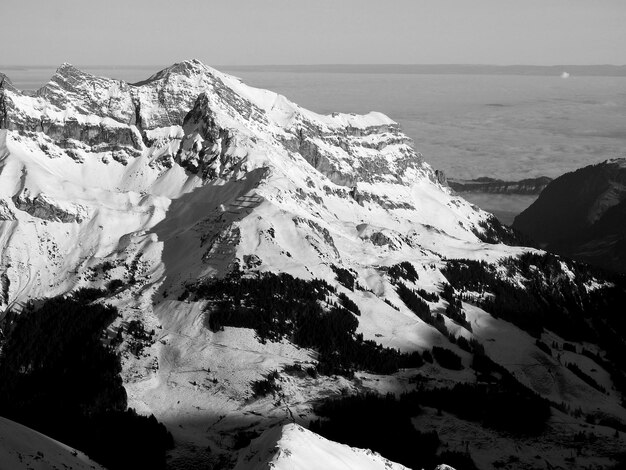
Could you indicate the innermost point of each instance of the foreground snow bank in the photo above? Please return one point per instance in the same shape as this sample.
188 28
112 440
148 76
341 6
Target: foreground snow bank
22 448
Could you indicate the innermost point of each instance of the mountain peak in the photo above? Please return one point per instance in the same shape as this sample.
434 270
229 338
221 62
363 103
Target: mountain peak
65 66
187 68
68 71
190 66
5 83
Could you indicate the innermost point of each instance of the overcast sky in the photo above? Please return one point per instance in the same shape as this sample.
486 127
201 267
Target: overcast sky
251 32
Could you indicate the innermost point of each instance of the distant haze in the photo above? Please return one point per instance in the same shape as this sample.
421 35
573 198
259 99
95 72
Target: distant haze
253 32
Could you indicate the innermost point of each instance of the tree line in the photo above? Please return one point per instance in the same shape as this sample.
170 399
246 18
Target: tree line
279 306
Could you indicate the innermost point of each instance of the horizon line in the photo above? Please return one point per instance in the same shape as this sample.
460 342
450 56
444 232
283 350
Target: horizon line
328 64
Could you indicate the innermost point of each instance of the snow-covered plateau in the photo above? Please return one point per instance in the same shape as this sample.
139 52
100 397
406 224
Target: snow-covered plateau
191 178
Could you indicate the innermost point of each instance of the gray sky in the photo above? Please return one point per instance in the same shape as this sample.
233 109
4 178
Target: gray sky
239 32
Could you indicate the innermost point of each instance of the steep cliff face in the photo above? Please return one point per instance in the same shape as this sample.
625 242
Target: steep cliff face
582 214
5 84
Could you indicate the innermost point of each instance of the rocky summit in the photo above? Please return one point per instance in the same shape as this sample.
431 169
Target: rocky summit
269 265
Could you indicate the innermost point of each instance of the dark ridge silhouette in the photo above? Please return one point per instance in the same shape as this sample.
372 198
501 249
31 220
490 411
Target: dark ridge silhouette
582 215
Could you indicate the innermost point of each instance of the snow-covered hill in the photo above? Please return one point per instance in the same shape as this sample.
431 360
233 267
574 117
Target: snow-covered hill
294 448
22 448
190 176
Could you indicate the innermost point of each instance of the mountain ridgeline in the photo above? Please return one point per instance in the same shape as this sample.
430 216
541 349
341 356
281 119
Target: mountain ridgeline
257 264
582 215
528 186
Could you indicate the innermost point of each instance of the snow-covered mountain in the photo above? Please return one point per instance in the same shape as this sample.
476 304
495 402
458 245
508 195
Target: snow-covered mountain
92 165
161 190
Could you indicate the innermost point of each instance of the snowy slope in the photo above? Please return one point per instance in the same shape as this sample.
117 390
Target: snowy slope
294 448
23 448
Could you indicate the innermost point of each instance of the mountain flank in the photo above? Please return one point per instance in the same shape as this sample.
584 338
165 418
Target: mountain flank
582 214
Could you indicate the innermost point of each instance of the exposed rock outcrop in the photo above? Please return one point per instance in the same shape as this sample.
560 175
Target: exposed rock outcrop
45 208
206 148
441 177
5 211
